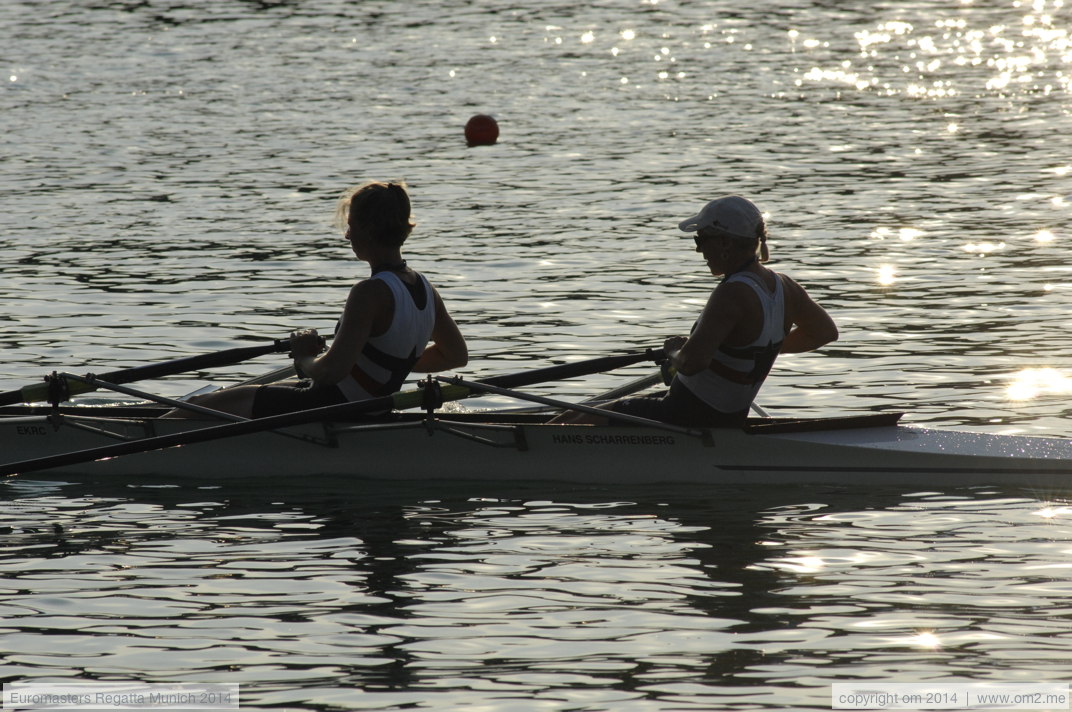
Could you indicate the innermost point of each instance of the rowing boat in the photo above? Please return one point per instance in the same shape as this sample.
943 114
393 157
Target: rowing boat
518 445
134 443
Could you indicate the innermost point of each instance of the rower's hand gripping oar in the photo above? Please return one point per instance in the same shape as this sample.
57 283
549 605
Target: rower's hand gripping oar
397 401
47 389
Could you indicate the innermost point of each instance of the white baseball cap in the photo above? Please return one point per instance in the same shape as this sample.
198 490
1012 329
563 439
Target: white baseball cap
732 214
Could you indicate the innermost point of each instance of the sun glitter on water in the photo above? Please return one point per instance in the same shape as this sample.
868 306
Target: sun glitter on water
1031 383
926 639
887 275
1052 511
951 57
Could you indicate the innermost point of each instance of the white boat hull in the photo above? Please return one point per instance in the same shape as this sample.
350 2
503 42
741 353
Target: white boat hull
529 450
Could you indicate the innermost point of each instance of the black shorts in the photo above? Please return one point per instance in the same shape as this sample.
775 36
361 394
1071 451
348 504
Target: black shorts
276 398
679 406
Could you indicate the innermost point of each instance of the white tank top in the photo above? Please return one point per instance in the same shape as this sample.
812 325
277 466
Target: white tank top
386 360
736 373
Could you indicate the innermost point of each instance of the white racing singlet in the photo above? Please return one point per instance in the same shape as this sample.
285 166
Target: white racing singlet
386 361
731 382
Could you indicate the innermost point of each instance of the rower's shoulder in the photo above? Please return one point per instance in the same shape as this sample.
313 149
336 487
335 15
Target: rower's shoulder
790 284
796 296
370 290
744 283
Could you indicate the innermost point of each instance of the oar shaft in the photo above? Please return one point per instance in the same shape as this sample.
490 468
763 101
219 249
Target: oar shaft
572 370
195 363
40 391
554 402
627 389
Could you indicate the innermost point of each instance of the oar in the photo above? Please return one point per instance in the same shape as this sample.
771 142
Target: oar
556 403
615 393
342 411
278 374
227 357
627 389
573 370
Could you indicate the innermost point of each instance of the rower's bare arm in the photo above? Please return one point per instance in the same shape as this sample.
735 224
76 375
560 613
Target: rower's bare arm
719 317
448 349
812 328
364 302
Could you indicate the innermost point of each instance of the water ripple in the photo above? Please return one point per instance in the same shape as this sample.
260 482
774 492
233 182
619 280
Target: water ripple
168 177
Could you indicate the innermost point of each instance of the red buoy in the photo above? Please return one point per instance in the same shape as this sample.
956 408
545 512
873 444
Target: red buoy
481 130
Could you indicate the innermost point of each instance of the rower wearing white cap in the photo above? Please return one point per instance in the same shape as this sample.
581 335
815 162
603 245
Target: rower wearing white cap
751 316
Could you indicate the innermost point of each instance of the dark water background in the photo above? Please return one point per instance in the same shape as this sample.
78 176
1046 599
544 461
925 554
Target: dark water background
167 176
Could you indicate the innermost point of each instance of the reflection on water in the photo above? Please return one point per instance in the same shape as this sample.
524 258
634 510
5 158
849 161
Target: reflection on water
168 179
585 603
1006 49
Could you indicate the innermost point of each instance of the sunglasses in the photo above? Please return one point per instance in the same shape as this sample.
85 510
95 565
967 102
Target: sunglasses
699 239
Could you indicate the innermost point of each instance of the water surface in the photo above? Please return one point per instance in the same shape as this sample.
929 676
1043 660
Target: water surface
168 175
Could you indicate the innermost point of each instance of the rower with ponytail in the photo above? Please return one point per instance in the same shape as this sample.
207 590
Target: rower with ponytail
393 323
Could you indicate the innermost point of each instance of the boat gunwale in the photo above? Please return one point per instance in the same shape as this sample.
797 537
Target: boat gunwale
769 425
